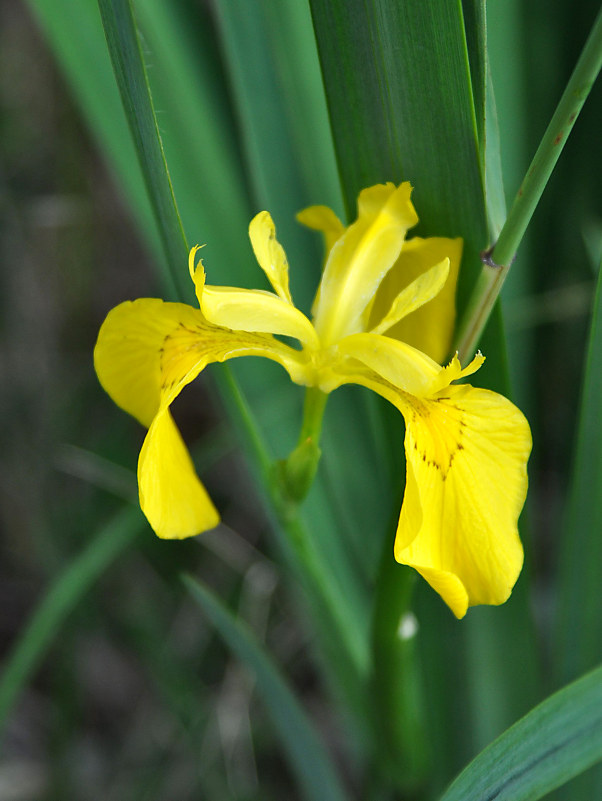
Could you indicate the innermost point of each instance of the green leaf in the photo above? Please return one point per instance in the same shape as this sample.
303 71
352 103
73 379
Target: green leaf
306 754
399 84
556 741
403 69
62 597
130 73
476 43
275 76
192 103
579 609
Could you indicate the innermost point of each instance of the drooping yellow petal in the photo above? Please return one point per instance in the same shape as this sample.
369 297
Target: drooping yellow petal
129 353
270 253
256 310
147 350
429 328
420 291
466 456
361 258
171 496
466 480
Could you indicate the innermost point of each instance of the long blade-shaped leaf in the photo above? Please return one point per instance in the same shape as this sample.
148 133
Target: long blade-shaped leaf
412 108
274 71
130 73
557 740
579 635
580 611
306 754
399 84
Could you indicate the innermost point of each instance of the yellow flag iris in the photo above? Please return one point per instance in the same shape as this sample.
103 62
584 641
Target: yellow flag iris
383 318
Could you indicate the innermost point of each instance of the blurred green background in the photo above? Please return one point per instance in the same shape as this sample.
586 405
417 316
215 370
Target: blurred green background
135 697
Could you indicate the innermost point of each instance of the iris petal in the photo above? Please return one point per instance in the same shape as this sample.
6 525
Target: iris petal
361 258
171 495
270 253
466 453
148 348
429 328
147 352
256 310
129 354
420 291
401 365
466 479
323 219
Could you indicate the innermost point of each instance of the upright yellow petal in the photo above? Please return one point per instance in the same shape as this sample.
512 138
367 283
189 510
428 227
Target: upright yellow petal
429 328
361 258
197 272
420 291
466 456
323 219
171 496
270 253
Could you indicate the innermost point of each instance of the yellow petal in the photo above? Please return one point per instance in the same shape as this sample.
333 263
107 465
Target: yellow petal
129 354
454 372
256 310
429 328
323 219
171 496
466 478
270 253
197 272
147 350
415 295
361 258
398 364
466 456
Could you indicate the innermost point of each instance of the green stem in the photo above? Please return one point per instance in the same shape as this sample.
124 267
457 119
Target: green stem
313 412
296 474
497 260
343 639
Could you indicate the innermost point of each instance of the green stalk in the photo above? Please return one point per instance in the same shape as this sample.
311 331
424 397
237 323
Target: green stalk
296 473
498 260
313 412
342 640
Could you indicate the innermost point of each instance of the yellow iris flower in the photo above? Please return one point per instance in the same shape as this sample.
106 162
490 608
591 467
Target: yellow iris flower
383 318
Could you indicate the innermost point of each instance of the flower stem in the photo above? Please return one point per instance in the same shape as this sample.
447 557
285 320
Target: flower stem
313 412
296 473
497 260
